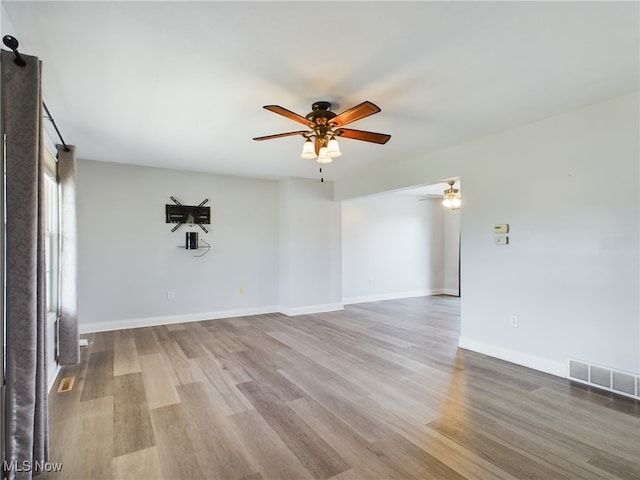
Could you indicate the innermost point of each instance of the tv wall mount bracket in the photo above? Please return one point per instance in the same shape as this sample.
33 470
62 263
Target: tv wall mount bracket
188 214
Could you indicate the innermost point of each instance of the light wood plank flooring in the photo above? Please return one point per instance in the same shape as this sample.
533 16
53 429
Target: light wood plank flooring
378 391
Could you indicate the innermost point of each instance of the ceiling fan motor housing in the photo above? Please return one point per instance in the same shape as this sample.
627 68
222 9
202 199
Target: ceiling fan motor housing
320 113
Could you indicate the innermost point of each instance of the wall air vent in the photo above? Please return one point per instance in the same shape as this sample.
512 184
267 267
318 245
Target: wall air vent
66 384
605 378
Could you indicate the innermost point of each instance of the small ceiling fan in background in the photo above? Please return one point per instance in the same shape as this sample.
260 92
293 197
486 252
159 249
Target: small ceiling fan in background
323 128
450 198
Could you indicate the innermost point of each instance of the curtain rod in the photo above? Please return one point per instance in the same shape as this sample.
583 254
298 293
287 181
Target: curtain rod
12 43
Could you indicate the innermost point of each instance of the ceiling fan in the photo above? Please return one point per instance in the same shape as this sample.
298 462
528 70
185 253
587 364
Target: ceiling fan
451 197
324 126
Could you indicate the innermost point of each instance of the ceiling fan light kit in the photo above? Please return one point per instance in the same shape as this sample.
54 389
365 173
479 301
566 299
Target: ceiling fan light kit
451 197
324 126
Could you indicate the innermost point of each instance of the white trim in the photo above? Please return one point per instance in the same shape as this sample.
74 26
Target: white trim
393 296
326 307
50 162
54 371
451 291
558 369
52 318
53 368
198 317
170 319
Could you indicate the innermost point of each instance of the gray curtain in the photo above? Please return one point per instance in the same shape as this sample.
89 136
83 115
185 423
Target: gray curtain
26 375
68 340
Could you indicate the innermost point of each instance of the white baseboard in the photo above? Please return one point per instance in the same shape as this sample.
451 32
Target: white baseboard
197 317
558 369
327 307
170 319
393 296
451 291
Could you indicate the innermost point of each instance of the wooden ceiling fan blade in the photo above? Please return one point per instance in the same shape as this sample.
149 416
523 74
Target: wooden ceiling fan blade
356 113
373 137
280 135
288 113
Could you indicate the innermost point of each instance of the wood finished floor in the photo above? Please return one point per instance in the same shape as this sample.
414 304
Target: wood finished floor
378 391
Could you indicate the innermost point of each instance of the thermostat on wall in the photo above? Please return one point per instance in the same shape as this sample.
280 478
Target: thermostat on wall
501 228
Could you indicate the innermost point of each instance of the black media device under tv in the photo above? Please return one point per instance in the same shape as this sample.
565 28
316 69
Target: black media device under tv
191 241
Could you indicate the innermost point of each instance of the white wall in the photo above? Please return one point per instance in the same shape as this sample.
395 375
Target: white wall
570 271
451 251
568 186
129 258
310 251
392 247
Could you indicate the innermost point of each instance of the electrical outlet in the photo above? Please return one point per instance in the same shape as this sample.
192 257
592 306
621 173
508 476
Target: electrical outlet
514 321
170 295
501 240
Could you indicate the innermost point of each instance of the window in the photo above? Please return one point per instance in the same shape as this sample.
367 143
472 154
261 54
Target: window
51 245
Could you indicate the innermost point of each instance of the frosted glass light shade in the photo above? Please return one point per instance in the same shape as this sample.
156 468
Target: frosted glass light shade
308 150
322 156
333 149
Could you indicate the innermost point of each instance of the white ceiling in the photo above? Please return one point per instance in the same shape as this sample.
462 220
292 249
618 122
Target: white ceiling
429 191
182 84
